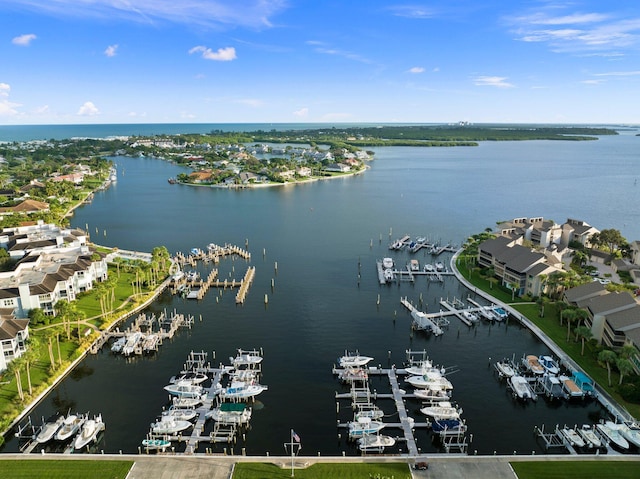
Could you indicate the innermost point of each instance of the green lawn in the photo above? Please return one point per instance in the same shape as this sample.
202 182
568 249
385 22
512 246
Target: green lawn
38 469
251 470
577 469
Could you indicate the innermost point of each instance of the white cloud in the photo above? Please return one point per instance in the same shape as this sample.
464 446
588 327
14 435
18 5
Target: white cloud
578 32
301 113
24 40
416 70
223 54
619 74
111 50
343 53
498 82
411 11
252 102
5 88
88 109
592 82
42 110
209 13
7 108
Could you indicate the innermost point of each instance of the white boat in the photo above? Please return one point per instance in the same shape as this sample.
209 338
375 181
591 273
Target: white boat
192 275
505 369
49 428
364 426
549 364
242 390
591 439
532 364
387 263
170 426
388 275
246 358
431 380
353 360
552 387
230 413
500 314
160 444
375 442
443 410
521 388
414 265
570 387
418 368
70 427
433 395
631 432
184 389
572 436
439 266
610 432
186 403
470 316
181 414
190 377
89 431
370 411
353 374
429 268
132 342
118 344
488 314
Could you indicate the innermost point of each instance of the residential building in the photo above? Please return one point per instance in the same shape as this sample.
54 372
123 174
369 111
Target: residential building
13 336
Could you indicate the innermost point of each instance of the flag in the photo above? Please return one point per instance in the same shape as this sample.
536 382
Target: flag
295 436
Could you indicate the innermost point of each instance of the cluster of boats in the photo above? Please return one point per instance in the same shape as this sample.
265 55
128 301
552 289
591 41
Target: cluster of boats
192 400
135 343
620 436
541 375
76 430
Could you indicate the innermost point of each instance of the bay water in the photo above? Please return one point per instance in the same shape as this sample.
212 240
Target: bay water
318 244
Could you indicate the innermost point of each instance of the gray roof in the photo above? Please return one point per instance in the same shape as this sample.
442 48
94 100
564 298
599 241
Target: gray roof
9 328
520 258
495 246
585 291
623 320
609 302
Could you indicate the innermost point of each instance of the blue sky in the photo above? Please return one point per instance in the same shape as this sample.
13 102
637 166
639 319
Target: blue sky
218 61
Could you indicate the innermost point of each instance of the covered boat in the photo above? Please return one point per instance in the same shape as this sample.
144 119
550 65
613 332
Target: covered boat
521 388
610 432
230 413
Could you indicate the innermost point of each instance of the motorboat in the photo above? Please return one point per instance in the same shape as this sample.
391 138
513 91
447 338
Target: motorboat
433 395
549 364
470 316
505 369
572 436
191 377
364 426
375 442
49 428
448 425
432 380
570 387
429 268
552 387
532 364
353 374
70 427
584 382
414 265
610 432
521 388
246 358
387 263
370 411
353 360
131 343
500 314
178 413
192 275
118 344
388 275
230 413
591 439
89 431
631 432
488 314
242 390
170 426
418 368
442 410
439 266
186 402
156 444
184 389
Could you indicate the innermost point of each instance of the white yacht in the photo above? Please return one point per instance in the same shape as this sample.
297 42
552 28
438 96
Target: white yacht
170 426
442 410
375 442
353 360
521 388
591 439
609 431
89 431
49 428
70 427
572 436
184 389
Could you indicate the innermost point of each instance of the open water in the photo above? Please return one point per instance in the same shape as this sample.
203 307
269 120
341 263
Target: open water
325 238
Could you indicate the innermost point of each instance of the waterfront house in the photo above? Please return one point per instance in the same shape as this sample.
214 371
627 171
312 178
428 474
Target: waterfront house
13 336
27 206
611 316
42 278
584 292
21 240
338 168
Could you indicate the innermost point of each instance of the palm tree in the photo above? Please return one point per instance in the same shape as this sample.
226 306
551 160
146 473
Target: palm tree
570 315
585 334
14 367
607 357
625 367
581 315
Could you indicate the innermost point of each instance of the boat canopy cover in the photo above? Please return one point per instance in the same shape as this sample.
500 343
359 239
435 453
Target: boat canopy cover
232 407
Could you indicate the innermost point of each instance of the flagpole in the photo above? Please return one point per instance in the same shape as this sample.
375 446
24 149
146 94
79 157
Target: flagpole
292 474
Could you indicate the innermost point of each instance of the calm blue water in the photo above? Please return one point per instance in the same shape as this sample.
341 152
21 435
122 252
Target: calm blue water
319 234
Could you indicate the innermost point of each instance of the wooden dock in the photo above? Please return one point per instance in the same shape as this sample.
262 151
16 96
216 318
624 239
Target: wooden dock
245 283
